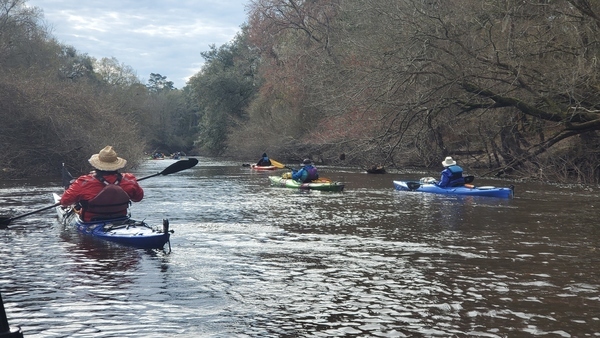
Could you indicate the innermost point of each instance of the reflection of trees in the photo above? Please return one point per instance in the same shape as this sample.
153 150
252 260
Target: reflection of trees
510 85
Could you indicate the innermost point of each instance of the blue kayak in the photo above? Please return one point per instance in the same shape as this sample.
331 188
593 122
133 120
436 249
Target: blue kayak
469 190
122 230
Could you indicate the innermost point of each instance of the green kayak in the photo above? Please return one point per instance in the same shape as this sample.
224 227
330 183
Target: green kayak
323 185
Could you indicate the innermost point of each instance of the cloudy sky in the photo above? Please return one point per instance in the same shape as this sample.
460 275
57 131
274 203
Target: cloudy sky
164 37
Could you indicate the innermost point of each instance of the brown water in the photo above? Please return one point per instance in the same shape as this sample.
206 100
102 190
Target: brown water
250 260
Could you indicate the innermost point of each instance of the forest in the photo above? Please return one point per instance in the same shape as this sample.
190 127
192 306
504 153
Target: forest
508 88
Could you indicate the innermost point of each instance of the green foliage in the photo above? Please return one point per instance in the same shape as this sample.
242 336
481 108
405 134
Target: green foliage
170 121
158 83
223 90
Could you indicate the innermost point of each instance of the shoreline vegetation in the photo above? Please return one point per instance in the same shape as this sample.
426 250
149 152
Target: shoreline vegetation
509 90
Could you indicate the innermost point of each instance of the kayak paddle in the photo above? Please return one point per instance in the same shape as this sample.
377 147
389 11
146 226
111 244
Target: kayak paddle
412 185
173 168
4 221
279 165
282 166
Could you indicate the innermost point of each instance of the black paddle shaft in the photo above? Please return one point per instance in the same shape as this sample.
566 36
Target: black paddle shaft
173 168
4 221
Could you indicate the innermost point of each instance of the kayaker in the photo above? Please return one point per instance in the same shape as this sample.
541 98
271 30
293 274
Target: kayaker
307 173
452 175
264 161
104 192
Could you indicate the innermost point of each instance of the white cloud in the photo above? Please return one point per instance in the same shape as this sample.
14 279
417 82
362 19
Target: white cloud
164 37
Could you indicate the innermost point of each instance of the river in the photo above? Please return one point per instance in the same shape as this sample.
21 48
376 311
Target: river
251 260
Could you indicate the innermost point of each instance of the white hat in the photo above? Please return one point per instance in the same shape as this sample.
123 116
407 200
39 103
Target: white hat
448 162
107 160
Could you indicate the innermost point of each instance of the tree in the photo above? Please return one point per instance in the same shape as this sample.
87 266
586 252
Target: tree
294 40
52 106
223 89
110 71
510 85
158 83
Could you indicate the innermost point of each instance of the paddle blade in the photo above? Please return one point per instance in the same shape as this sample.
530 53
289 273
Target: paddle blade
179 166
6 221
67 178
277 164
469 179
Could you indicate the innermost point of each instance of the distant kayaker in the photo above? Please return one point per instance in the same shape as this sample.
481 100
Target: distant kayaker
264 161
103 193
452 175
307 173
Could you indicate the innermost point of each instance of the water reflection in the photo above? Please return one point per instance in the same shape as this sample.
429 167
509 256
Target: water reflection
103 261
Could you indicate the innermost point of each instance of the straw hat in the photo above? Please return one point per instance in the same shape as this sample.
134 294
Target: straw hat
448 162
107 160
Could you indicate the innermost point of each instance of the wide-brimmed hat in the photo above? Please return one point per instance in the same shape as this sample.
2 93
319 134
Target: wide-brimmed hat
107 160
306 161
448 162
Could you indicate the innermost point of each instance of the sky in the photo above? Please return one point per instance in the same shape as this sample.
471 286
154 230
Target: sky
150 36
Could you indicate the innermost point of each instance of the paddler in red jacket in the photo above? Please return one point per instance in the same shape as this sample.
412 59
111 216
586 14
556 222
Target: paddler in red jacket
104 193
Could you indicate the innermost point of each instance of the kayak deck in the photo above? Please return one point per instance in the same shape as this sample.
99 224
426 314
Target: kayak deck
122 230
318 185
485 191
263 167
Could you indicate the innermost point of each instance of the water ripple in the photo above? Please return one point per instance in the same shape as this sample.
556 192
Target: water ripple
250 260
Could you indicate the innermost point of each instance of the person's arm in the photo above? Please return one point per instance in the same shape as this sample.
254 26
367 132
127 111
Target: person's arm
296 175
73 194
132 188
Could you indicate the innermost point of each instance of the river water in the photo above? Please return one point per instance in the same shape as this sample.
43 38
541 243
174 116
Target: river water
251 260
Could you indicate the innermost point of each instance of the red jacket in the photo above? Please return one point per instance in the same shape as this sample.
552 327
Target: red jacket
86 187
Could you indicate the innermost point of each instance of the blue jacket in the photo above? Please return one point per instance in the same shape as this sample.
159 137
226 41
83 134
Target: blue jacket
451 177
264 161
306 174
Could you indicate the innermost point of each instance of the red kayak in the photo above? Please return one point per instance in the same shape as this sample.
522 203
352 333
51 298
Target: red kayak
263 167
